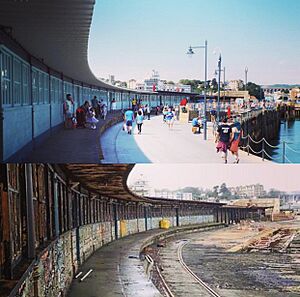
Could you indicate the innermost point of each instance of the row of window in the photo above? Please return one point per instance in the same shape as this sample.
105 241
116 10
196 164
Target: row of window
56 209
19 79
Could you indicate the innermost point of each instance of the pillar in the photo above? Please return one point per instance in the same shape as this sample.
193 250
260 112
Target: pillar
56 214
30 213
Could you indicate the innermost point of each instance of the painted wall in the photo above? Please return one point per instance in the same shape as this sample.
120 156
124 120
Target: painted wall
17 128
54 269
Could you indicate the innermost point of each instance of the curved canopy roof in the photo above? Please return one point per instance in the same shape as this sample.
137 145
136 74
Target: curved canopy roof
56 32
111 181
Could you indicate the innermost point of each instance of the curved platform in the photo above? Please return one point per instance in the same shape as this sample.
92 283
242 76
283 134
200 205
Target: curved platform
117 270
159 144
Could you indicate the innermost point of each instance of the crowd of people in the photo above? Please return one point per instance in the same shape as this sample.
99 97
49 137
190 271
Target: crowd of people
85 116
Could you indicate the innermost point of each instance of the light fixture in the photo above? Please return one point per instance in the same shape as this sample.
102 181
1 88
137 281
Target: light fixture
190 51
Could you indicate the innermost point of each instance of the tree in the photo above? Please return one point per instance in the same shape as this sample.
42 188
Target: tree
195 84
255 90
224 192
215 191
170 83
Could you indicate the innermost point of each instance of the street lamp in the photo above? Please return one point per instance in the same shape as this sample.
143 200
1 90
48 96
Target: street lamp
222 70
246 77
219 82
191 52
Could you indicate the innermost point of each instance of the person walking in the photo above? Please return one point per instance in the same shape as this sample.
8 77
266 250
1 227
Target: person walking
170 116
129 118
235 141
223 138
148 111
139 121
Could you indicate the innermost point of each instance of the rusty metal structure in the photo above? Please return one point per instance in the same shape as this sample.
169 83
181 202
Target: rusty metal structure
63 213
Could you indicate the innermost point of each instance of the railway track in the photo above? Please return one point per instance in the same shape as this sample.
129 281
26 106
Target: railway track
188 270
166 288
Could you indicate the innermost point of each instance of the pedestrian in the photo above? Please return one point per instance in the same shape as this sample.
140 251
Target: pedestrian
96 106
148 111
170 117
68 111
223 138
196 125
139 121
113 105
129 118
235 141
104 111
91 118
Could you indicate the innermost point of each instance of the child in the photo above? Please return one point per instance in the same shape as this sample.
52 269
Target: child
91 118
139 121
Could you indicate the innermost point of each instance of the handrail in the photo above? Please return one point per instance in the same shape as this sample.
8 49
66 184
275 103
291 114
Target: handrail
265 144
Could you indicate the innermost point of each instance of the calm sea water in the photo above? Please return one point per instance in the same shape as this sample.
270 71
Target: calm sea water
290 134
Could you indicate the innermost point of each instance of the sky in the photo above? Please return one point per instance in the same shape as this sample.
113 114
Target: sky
130 38
175 176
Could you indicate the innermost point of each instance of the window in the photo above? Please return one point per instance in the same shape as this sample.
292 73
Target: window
6 78
25 85
46 88
17 74
35 86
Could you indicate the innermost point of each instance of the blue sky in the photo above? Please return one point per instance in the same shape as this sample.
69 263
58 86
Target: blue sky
129 38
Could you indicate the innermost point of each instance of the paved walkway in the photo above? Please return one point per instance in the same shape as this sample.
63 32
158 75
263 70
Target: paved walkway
159 144
68 146
117 270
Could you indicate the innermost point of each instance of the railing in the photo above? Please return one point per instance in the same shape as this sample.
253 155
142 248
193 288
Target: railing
265 145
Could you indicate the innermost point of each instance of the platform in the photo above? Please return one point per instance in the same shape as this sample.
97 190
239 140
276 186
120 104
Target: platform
117 270
159 144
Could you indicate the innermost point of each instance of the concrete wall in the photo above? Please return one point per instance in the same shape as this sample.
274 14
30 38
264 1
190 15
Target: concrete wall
54 269
17 128
56 114
41 119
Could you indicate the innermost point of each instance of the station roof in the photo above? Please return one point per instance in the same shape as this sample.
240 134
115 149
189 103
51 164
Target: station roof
56 32
111 181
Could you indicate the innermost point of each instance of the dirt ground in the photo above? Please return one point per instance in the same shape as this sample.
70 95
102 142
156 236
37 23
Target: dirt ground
259 273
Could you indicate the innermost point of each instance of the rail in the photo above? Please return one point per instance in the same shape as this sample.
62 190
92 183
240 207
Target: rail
198 280
264 152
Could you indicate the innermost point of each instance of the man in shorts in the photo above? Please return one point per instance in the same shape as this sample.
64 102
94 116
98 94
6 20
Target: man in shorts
129 118
224 136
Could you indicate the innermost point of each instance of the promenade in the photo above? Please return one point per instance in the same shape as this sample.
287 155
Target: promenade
159 144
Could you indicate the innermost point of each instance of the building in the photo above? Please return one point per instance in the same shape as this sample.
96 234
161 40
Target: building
173 195
272 204
141 187
290 201
235 85
132 83
248 191
111 79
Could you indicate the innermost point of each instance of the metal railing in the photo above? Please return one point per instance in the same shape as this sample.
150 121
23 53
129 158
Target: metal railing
264 152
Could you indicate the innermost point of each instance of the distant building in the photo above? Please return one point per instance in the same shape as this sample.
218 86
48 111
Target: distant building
111 79
141 187
295 93
290 202
272 204
235 85
132 84
248 191
173 195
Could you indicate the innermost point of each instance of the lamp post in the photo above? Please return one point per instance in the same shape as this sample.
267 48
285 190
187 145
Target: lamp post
191 52
246 77
216 72
219 82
